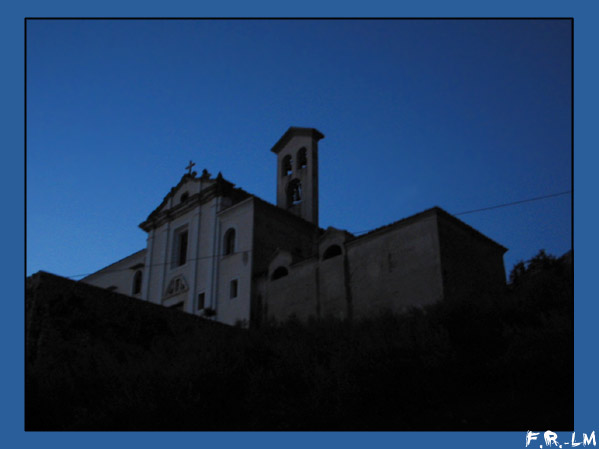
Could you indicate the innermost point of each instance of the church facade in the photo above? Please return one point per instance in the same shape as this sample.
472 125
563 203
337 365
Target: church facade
217 251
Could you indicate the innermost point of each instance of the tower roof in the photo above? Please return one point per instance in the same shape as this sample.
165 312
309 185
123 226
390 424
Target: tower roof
295 131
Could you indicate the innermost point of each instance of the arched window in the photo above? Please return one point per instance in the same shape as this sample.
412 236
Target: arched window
287 166
279 273
302 159
229 242
184 196
331 251
294 193
137 282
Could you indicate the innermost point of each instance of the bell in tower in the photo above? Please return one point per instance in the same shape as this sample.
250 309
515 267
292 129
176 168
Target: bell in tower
297 172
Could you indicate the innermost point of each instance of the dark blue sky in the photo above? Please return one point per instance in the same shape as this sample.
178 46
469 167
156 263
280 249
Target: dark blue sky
458 114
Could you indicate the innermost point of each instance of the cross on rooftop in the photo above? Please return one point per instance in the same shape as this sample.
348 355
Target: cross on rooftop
190 166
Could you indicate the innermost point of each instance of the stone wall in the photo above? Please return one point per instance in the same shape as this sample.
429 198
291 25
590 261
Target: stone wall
396 268
392 269
274 229
293 295
472 263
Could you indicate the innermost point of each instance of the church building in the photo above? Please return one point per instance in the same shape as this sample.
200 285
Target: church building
217 251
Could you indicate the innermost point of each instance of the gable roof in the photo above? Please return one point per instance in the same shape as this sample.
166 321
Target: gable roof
436 210
295 131
222 187
186 177
215 187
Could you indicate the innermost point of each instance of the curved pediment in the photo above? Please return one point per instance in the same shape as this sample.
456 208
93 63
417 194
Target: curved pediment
176 285
186 191
188 183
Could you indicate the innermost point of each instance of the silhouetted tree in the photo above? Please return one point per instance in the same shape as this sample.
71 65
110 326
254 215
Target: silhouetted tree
540 263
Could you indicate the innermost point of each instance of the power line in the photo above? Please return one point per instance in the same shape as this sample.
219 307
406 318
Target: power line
496 206
514 202
114 270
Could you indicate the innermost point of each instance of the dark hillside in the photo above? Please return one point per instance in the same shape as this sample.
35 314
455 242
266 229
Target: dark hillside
101 361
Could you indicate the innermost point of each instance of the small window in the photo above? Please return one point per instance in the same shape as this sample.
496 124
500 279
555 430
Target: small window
233 289
302 159
137 282
287 166
294 193
279 273
331 251
229 242
184 196
201 300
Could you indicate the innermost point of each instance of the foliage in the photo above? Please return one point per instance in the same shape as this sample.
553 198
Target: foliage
541 263
477 363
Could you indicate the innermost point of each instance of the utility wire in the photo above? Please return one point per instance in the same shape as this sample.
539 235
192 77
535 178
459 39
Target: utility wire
528 200
514 202
495 207
114 270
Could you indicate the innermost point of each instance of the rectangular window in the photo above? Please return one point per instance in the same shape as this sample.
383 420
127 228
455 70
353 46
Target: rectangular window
233 289
182 248
179 249
201 300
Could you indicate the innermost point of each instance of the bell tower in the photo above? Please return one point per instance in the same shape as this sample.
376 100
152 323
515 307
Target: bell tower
297 172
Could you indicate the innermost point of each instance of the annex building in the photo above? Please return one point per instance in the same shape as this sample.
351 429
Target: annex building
218 251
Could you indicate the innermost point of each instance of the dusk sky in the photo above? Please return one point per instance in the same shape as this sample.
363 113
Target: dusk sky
460 114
